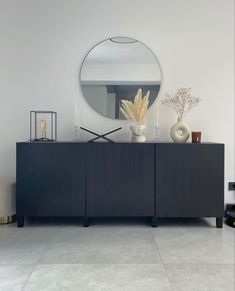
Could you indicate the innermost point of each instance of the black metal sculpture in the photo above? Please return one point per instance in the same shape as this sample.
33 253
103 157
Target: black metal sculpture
102 136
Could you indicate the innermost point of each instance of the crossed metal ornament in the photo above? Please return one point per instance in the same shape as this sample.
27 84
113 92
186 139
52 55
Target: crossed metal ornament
102 136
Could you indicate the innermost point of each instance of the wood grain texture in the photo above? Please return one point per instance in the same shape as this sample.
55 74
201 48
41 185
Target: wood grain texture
120 179
189 180
50 179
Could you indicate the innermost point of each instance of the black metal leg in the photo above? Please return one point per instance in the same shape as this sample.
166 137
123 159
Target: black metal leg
154 221
85 221
219 222
20 221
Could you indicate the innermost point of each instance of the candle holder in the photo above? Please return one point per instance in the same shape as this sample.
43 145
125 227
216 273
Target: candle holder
76 133
156 126
196 136
156 133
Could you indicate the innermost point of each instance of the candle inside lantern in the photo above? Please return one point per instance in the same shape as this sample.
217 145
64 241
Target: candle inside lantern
43 127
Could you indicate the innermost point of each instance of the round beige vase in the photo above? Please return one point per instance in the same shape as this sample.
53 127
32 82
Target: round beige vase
138 133
180 132
7 200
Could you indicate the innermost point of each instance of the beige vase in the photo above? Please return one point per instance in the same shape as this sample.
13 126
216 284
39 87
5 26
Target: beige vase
180 132
7 200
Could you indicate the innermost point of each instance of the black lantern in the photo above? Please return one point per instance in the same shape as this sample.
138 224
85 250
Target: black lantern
43 125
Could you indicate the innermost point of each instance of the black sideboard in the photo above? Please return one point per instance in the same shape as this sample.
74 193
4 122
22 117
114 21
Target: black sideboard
120 179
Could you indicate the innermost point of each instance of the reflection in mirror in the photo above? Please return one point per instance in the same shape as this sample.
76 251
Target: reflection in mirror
114 70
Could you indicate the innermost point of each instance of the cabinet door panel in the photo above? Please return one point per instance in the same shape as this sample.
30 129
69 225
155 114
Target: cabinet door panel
50 179
120 179
189 180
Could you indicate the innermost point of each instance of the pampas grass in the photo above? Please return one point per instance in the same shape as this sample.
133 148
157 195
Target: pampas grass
137 110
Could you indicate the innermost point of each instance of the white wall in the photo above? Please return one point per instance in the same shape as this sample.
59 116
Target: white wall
43 44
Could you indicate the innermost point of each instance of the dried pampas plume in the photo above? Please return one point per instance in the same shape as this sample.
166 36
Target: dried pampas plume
137 110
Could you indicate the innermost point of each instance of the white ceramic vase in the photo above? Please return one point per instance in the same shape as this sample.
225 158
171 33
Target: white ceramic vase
180 132
138 133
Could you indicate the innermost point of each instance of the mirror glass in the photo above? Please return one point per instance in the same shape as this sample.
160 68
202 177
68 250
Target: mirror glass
114 70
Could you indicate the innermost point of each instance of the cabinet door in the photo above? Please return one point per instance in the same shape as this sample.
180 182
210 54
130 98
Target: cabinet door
120 179
189 180
50 179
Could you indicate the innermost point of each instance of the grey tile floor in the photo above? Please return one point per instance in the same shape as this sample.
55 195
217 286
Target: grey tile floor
179 255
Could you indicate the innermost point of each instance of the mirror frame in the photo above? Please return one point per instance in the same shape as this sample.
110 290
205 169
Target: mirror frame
110 38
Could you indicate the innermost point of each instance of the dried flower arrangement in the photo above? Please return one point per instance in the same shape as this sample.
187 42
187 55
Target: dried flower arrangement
182 101
136 110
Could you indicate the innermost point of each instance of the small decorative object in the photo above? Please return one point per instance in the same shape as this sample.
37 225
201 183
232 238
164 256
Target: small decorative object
137 132
39 129
196 136
100 136
136 111
182 102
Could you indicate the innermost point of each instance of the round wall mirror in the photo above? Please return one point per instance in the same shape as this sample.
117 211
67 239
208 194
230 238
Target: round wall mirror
114 70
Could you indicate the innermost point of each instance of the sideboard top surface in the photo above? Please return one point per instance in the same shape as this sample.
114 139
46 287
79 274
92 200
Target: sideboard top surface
119 142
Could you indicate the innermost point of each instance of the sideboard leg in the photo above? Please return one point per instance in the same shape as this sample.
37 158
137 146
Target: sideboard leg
85 221
20 221
154 221
219 222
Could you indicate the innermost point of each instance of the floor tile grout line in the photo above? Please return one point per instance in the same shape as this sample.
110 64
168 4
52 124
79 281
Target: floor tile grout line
46 247
156 241
197 263
164 267
38 260
111 263
29 277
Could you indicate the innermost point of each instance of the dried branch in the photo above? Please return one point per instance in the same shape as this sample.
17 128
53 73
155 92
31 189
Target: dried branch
182 101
